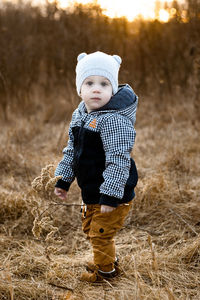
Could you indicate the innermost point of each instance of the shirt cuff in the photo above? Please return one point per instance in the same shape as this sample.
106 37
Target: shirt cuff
63 185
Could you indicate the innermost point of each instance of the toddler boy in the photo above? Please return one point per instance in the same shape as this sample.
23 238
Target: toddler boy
101 138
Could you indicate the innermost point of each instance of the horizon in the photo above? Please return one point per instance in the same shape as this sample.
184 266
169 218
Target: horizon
131 10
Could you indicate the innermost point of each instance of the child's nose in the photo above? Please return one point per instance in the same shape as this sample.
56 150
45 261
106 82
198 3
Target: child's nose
96 89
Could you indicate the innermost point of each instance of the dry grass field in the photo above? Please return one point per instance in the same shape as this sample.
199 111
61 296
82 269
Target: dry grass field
42 247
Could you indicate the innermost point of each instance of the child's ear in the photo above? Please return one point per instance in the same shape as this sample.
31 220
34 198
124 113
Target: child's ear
81 55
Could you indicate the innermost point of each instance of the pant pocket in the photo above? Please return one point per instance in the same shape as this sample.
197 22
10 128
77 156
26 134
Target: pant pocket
106 225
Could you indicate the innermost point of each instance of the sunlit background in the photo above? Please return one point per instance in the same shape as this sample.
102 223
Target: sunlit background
147 9
129 9
42 247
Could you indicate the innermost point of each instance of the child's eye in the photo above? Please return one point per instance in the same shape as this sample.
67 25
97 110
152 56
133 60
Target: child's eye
104 83
89 83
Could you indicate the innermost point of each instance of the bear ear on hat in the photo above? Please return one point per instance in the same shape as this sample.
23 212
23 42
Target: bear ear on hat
118 59
81 55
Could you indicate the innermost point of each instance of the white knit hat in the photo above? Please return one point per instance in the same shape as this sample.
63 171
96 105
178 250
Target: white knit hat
98 63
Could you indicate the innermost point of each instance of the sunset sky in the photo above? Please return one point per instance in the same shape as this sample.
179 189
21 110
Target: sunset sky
128 8
118 8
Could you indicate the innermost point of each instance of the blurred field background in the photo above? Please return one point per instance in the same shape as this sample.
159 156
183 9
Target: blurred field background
42 247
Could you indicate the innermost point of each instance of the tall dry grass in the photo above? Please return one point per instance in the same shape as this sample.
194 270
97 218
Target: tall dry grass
42 247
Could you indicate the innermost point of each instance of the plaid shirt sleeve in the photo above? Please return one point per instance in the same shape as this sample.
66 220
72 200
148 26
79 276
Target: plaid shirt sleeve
64 168
118 137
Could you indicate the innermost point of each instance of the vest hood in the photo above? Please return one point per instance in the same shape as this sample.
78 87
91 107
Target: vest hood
123 102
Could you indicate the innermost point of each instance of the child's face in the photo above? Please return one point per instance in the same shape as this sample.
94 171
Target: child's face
96 91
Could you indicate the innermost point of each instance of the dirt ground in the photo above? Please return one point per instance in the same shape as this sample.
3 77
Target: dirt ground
42 247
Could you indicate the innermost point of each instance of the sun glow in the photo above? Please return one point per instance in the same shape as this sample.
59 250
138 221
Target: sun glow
164 15
130 9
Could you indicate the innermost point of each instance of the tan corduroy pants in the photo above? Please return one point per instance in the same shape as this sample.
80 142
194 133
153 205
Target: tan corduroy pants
100 229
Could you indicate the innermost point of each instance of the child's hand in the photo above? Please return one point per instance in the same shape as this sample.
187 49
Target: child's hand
106 208
62 194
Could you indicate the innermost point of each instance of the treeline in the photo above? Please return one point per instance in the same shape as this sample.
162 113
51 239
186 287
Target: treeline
39 46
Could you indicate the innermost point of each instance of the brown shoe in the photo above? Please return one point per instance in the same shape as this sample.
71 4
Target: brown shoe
91 277
98 276
91 267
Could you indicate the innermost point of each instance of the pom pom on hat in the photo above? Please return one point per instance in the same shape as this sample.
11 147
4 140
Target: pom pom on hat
81 55
100 64
118 59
